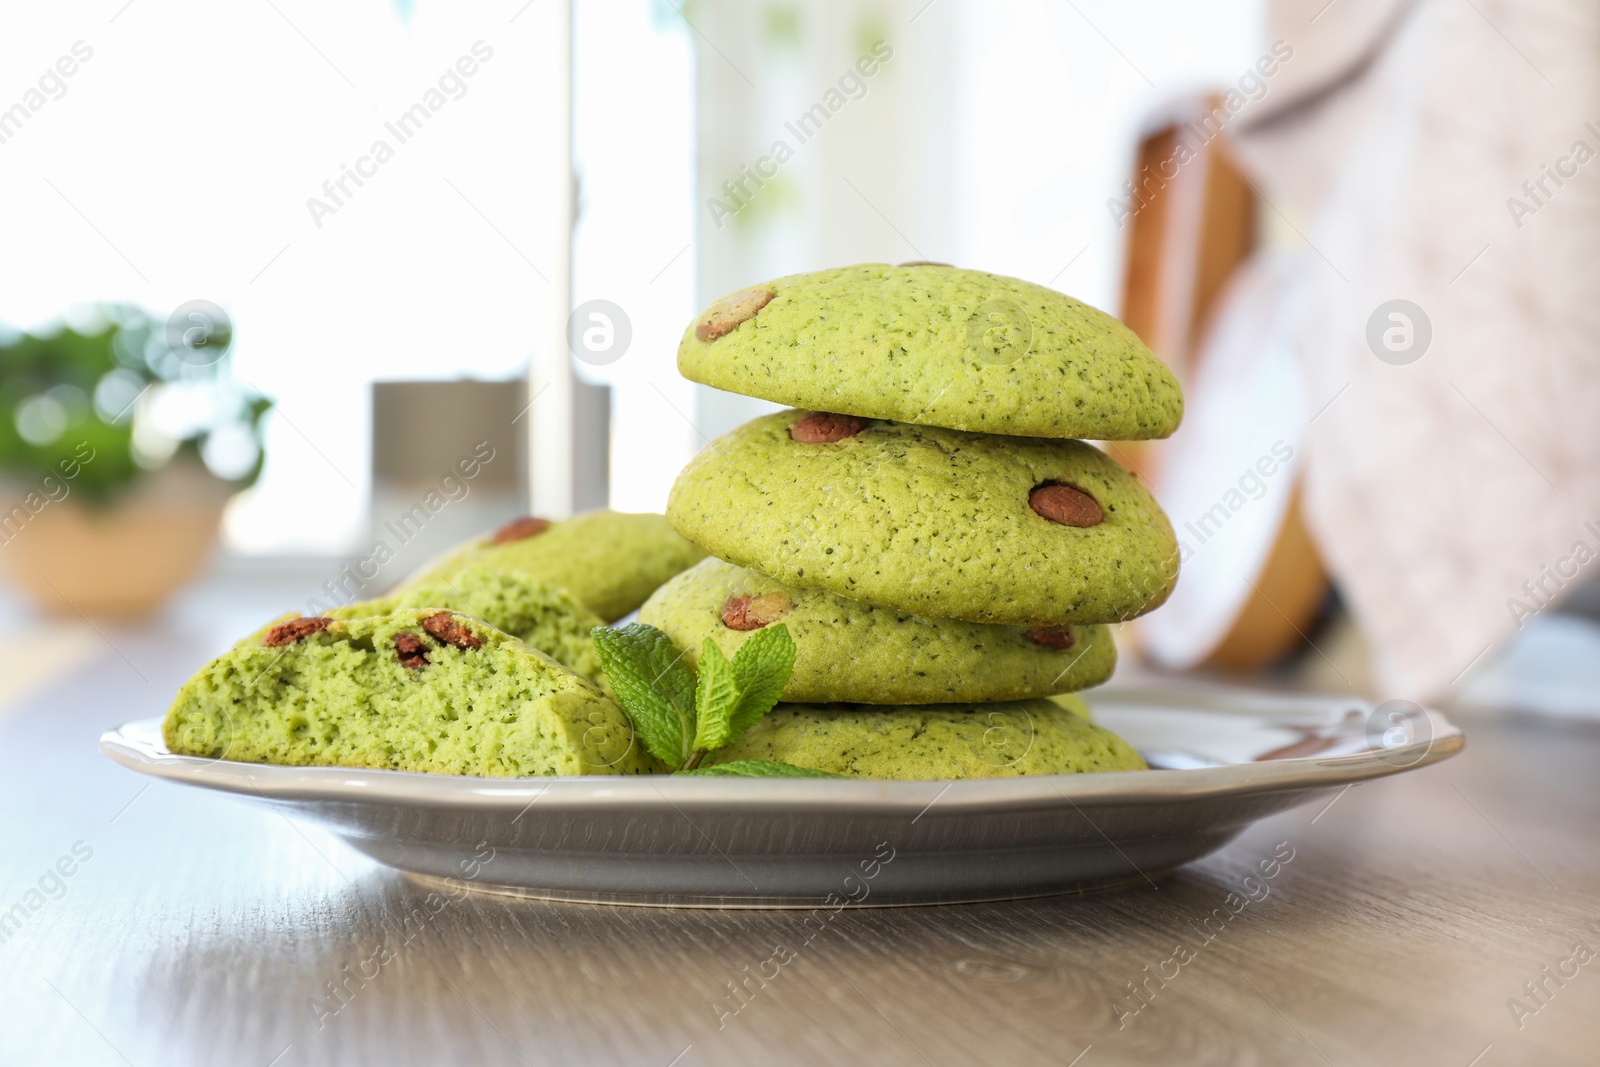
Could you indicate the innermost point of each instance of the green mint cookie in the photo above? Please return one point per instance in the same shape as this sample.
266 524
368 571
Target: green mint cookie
935 740
416 690
849 650
930 521
610 561
938 346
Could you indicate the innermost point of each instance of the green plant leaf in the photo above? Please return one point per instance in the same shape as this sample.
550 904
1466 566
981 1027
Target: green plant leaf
758 768
653 685
715 699
96 376
761 668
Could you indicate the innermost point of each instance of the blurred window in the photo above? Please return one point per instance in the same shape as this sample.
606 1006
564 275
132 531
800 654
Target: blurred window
231 152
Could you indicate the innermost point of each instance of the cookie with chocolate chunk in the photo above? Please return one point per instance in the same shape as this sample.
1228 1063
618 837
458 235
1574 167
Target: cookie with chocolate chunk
935 345
849 650
610 561
935 741
541 616
414 690
930 521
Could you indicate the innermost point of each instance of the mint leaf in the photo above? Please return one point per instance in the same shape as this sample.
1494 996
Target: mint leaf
761 668
653 685
758 768
681 719
715 699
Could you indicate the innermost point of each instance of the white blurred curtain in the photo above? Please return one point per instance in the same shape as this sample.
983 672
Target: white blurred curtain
1455 496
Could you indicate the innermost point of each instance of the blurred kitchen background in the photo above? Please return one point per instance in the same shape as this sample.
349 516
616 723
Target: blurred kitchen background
326 288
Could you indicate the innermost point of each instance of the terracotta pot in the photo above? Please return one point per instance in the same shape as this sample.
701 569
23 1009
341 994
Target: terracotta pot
72 557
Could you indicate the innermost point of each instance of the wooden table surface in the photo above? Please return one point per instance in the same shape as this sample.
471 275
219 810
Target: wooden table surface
195 929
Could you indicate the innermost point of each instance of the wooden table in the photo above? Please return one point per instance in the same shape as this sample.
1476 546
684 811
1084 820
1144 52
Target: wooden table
194 929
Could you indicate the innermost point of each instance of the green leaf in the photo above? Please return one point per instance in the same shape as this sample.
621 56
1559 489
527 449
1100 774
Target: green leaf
762 667
758 768
653 685
715 699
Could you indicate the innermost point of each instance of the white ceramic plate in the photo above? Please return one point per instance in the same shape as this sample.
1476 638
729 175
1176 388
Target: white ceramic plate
1228 758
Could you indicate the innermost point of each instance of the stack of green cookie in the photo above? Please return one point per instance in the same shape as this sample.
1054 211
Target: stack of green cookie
928 524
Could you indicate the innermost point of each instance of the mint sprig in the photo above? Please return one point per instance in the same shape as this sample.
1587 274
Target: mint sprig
682 719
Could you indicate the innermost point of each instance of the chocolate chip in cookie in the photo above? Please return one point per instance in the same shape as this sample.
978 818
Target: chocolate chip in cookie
746 612
450 630
292 630
519 529
1065 504
825 428
726 314
1052 637
412 651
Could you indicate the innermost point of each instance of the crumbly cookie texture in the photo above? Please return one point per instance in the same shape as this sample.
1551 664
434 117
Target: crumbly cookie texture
414 690
939 346
848 650
610 561
539 615
934 741
932 521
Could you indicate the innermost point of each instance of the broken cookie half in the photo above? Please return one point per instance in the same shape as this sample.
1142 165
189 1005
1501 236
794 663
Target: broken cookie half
411 690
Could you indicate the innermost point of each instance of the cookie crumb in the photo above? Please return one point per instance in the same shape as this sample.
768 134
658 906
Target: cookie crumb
292 630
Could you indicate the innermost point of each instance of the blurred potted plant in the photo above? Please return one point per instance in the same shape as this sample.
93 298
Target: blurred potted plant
120 443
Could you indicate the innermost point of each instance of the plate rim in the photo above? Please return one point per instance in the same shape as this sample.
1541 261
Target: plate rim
137 746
